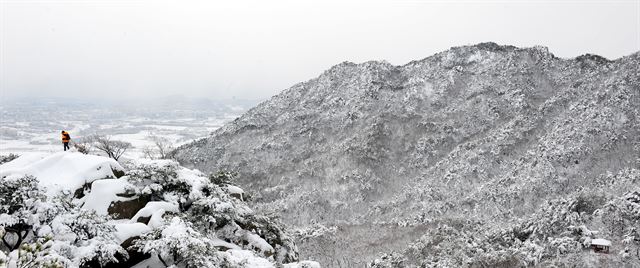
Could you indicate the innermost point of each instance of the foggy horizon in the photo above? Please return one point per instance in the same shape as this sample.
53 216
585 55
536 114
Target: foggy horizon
252 50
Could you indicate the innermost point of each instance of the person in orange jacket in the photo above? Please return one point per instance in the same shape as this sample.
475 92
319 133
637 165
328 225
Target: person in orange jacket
65 139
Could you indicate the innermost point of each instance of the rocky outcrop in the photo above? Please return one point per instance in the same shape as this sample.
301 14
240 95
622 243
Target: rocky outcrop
192 221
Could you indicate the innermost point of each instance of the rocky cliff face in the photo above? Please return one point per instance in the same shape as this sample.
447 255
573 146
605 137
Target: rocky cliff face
486 132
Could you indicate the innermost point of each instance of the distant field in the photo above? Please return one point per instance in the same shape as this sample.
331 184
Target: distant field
34 126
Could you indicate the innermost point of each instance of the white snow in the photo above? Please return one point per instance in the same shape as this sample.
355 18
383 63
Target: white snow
195 178
156 219
221 243
601 242
257 242
176 228
23 160
245 258
63 171
234 189
8 219
302 264
103 193
125 231
155 207
166 127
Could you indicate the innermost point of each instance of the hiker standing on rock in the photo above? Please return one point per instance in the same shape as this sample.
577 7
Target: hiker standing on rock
65 139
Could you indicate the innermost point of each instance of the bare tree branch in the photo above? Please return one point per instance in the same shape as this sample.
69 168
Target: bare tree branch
160 150
113 148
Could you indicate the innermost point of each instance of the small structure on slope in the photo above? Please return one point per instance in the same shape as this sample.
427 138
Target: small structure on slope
600 245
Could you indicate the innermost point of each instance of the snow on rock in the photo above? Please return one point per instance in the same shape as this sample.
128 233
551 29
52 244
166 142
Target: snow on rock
156 219
246 258
303 264
125 231
601 242
186 219
63 171
235 191
104 192
224 244
155 208
258 242
23 160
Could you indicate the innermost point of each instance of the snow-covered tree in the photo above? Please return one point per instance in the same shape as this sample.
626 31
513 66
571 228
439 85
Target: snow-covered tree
181 218
19 200
177 244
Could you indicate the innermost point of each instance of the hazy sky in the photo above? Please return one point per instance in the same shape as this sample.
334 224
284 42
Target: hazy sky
254 49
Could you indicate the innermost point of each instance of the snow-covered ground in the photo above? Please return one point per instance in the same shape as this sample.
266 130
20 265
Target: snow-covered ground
62 171
89 211
35 125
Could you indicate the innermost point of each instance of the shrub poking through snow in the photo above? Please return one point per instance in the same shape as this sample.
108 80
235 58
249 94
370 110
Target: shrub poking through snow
222 177
7 158
177 243
181 218
19 199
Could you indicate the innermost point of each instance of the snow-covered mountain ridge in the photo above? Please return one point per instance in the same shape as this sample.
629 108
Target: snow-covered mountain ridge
387 153
74 210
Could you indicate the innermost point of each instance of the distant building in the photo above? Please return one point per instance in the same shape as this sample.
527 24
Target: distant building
600 245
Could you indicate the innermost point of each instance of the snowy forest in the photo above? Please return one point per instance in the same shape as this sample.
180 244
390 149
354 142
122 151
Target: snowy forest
483 155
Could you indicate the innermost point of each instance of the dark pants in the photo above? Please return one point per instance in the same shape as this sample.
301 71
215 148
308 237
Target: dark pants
66 145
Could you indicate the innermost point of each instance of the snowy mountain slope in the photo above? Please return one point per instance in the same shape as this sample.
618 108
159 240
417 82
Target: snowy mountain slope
74 210
486 131
558 234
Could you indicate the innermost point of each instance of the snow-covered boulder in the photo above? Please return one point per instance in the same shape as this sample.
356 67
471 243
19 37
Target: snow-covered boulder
104 193
67 172
153 214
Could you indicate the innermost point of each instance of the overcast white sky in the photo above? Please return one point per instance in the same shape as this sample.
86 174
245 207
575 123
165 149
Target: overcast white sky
255 49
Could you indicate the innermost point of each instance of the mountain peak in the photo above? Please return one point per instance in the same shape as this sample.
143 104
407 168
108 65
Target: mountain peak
484 132
592 59
494 47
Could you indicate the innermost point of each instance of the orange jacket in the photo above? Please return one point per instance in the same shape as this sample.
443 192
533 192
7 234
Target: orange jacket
65 136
